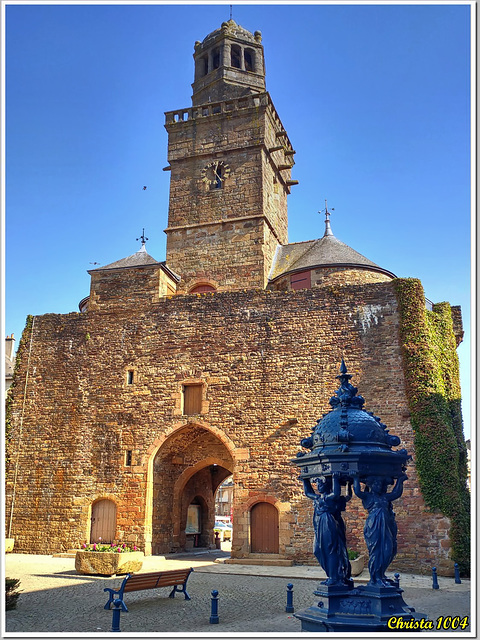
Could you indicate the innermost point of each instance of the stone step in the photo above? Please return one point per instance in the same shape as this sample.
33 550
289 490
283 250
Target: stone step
266 562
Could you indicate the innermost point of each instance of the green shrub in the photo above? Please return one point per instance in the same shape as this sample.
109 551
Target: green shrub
11 593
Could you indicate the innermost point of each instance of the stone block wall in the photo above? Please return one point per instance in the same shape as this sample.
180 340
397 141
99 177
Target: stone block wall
268 362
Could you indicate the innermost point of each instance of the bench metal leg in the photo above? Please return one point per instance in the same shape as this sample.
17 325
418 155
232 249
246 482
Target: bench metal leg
110 597
118 592
182 589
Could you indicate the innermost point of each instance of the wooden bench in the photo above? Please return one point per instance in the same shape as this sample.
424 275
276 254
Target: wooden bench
140 581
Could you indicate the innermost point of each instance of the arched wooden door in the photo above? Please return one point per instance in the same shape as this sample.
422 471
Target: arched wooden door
263 528
104 521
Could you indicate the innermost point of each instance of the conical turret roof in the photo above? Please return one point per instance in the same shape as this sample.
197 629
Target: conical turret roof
327 251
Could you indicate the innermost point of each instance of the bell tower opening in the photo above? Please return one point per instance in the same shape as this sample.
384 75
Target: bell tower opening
249 56
202 66
216 58
236 57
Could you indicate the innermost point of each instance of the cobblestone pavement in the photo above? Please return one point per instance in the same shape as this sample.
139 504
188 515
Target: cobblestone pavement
55 599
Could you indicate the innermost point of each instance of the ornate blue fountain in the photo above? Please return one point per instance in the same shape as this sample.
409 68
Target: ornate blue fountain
348 447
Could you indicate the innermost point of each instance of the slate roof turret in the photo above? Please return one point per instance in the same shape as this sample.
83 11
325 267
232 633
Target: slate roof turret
326 251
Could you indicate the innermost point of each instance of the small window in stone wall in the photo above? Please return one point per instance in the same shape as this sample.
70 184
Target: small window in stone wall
192 399
130 376
128 458
203 66
301 280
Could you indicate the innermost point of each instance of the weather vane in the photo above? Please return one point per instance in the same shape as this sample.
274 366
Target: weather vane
230 12
142 238
326 212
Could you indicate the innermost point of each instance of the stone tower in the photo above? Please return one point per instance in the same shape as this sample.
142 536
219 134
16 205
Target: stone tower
230 160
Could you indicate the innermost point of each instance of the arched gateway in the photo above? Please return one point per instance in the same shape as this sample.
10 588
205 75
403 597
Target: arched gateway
187 469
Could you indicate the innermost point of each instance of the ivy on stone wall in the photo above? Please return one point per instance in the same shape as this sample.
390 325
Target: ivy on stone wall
433 389
9 399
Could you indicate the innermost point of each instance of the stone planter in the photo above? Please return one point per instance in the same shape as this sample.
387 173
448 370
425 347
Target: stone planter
9 542
357 565
108 564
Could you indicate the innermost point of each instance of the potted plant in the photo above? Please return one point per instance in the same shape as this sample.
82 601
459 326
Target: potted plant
357 562
108 559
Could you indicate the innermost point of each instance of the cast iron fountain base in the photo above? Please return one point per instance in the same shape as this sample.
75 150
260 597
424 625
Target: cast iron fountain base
363 608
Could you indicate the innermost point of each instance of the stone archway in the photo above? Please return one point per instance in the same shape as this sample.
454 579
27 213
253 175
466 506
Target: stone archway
188 467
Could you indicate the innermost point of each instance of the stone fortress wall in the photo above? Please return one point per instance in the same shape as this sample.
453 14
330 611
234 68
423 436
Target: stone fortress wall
267 362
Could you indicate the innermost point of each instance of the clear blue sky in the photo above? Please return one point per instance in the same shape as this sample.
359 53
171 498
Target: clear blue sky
375 99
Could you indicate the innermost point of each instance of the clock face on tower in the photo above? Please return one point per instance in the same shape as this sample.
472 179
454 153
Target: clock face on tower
215 173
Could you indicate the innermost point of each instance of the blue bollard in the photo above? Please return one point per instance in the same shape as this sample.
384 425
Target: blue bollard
457 574
397 580
434 578
289 608
214 616
118 605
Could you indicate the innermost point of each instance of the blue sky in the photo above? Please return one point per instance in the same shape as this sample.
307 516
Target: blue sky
375 99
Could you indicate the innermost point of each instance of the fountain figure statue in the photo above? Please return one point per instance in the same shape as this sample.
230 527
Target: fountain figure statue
380 530
330 544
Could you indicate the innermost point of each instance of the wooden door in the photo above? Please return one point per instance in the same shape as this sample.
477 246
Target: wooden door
104 521
264 528
192 399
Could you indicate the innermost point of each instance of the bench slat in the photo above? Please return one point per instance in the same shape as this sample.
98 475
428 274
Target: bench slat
168 574
157 579
136 586
144 584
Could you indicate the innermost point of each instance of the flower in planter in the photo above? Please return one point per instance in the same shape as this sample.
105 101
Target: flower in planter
113 547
